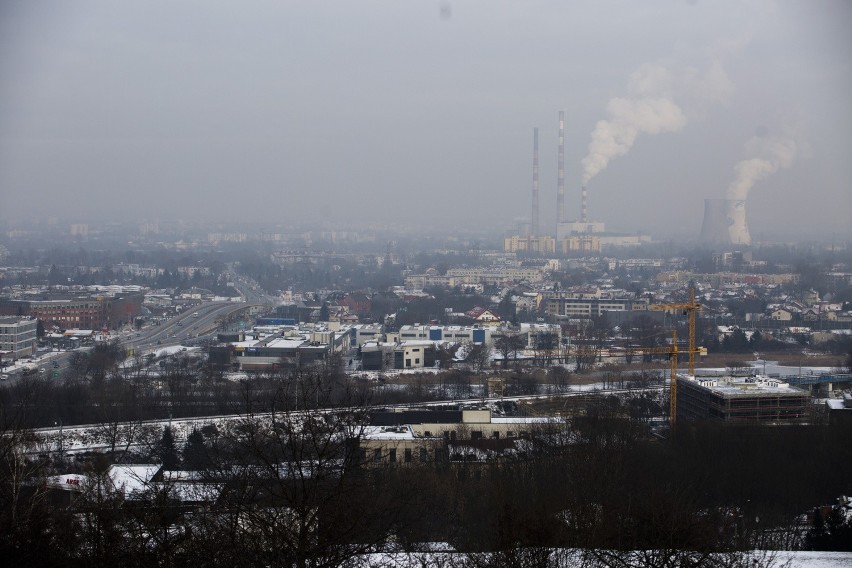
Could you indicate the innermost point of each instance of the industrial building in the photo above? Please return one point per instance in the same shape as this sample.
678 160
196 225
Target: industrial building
365 332
78 311
471 334
570 238
740 400
438 435
380 356
415 346
448 333
285 347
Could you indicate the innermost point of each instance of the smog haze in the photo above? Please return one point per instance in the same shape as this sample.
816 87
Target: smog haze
377 112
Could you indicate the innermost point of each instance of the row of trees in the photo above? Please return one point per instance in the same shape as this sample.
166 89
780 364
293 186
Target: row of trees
296 491
102 387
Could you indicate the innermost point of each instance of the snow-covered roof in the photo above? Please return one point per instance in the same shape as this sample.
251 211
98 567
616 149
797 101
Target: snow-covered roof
132 479
292 341
417 343
78 332
388 433
523 420
748 386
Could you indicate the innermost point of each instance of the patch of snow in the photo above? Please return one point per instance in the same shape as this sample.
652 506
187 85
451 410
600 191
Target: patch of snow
132 480
173 349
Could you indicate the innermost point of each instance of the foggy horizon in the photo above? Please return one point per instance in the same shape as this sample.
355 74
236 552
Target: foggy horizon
422 114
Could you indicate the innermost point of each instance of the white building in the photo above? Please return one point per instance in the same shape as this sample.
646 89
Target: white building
17 337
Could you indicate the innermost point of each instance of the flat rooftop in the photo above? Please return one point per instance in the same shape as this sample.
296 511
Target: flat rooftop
744 386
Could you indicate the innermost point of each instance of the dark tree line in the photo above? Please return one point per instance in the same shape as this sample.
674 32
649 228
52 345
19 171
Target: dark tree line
297 490
298 493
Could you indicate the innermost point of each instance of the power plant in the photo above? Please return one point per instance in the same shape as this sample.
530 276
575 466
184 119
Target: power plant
725 222
571 237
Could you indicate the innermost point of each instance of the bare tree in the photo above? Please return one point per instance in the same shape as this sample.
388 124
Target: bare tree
545 344
478 356
297 478
445 354
559 377
508 345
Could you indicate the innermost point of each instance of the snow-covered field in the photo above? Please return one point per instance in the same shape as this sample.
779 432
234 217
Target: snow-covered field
808 559
785 559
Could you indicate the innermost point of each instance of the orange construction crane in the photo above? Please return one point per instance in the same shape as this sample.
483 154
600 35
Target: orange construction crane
672 352
689 309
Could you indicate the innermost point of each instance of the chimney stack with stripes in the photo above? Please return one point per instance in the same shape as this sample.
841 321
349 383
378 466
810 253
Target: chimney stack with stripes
560 180
535 209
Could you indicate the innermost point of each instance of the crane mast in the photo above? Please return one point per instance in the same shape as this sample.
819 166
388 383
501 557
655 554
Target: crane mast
690 310
672 352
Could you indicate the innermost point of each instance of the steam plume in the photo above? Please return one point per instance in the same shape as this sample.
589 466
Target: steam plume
650 108
768 155
628 117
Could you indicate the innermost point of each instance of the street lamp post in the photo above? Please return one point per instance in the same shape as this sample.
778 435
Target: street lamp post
61 439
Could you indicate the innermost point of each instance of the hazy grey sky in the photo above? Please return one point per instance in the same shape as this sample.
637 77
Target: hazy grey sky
285 111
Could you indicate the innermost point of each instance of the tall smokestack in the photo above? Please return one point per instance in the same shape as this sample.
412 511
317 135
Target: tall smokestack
535 228
560 179
584 205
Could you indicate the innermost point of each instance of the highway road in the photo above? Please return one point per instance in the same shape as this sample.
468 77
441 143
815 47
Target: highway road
194 325
198 322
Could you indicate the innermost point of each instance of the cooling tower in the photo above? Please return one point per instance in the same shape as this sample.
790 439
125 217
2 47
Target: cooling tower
724 222
737 227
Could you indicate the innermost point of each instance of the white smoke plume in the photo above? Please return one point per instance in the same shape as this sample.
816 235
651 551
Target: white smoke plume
768 155
650 108
628 118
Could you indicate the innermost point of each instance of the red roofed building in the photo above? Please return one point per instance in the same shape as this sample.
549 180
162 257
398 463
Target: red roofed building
357 302
483 316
